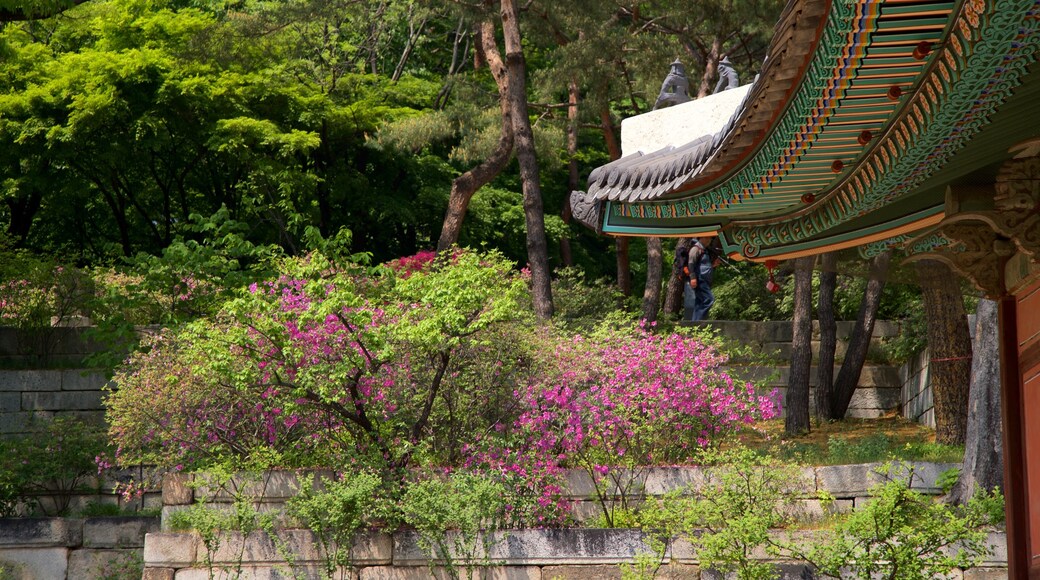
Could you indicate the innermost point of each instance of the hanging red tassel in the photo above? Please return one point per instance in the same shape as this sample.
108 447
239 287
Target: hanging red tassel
771 284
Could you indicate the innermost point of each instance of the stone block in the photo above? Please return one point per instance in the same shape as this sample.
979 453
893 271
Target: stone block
283 572
926 474
81 380
41 532
260 548
104 563
661 480
847 480
177 490
158 574
22 422
118 532
785 571
37 563
10 402
62 401
876 397
170 550
424 573
581 573
985 574
273 486
30 380
998 555
541 547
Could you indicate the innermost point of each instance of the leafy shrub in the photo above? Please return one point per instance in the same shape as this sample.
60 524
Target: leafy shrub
729 518
580 306
328 366
903 534
455 518
335 511
56 460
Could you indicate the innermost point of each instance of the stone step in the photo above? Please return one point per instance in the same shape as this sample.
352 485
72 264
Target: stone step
781 330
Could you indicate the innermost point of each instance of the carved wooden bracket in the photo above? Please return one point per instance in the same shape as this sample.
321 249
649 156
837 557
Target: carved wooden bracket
985 227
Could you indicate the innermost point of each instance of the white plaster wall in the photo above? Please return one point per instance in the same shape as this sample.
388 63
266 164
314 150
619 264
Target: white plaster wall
680 124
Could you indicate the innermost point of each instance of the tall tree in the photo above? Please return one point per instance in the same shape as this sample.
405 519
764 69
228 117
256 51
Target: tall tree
949 346
797 400
828 335
856 353
983 465
673 293
537 245
464 186
652 291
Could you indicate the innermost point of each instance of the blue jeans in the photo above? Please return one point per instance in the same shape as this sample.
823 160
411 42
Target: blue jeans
697 301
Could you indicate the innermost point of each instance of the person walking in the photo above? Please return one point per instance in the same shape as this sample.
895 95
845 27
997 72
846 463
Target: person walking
697 296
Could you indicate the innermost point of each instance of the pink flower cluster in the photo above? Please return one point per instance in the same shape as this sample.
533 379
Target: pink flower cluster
622 402
652 398
408 265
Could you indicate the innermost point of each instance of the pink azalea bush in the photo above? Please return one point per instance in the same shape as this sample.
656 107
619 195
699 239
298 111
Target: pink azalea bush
618 402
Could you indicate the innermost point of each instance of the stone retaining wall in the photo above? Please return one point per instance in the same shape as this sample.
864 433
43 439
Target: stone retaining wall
35 395
847 484
77 549
565 554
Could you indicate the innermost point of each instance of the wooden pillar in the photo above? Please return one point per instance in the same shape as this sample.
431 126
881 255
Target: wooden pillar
1020 370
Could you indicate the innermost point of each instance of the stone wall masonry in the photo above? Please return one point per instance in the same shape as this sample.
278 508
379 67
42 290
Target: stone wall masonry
517 554
849 485
77 549
32 395
916 392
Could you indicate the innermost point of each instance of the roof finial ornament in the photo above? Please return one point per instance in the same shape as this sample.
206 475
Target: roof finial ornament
727 76
676 87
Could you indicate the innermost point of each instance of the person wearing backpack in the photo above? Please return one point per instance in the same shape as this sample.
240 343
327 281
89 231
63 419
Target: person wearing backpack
697 274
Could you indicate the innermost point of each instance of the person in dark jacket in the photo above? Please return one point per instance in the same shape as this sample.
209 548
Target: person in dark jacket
697 296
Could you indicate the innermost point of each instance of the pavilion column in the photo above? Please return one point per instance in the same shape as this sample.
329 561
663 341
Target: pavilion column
1015 497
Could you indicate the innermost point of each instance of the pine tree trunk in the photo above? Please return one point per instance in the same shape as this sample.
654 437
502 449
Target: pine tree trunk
652 291
466 185
572 168
797 400
828 335
859 342
537 245
983 465
624 266
673 293
950 346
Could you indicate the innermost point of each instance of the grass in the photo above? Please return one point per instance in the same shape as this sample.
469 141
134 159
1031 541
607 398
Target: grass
850 441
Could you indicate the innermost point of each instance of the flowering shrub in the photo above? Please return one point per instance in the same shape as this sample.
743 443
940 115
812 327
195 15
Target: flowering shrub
620 401
328 367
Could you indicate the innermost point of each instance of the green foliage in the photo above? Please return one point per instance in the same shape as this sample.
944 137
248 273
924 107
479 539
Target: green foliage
878 447
947 479
336 510
901 534
581 305
455 518
56 460
743 497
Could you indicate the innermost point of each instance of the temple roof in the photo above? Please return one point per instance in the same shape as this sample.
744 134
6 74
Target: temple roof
860 116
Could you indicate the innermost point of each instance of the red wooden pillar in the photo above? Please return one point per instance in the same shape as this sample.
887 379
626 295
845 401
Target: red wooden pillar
1020 369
